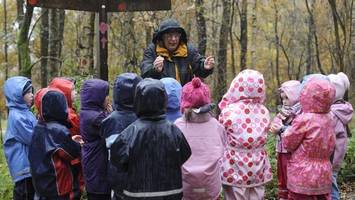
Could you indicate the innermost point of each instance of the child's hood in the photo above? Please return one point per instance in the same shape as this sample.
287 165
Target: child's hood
342 110
13 90
150 100
317 96
93 93
64 85
51 105
341 83
173 89
248 84
124 89
292 89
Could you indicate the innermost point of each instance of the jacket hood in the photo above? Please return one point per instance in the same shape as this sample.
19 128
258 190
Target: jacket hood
317 96
173 90
343 111
292 89
309 77
165 26
341 83
13 90
93 93
64 85
124 90
248 84
52 106
150 98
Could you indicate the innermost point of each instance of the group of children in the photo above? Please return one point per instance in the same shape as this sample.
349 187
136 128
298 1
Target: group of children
160 140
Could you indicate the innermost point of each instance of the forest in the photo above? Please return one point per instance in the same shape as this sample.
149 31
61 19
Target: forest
283 39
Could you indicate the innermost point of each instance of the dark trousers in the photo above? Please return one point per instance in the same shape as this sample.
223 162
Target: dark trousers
24 190
92 196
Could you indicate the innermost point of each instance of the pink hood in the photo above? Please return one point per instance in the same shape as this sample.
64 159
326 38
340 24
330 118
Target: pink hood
248 84
292 89
317 96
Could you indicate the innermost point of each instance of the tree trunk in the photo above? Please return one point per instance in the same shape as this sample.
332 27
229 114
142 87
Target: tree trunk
86 43
6 59
44 47
313 31
243 35
201 26
56 29
351 71
24 58
338 49
232 39
309 60
222 51
253 35
277 44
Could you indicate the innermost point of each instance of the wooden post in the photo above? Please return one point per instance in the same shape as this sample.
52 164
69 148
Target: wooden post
103 38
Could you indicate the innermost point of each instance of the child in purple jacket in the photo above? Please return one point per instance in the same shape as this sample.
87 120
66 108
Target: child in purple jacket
341 112
94 108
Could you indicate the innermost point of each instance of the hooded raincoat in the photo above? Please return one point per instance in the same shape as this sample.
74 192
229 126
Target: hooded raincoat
151 149
246 120
52 148
94 153
182 64
66 86
311 141
118 120
19 129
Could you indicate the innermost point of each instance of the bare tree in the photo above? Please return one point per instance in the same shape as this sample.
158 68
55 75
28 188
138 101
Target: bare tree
201 26
313 33
6 59
24 21
44 47
253 35
85 43
221 83
243 35
277 43
56 30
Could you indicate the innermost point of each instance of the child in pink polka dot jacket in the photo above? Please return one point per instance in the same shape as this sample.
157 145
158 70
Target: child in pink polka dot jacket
246 167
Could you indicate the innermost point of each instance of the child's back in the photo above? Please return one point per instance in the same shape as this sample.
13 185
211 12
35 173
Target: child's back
205 135
18 134
246 120
94 153
52 148
311 141
151 149
117 121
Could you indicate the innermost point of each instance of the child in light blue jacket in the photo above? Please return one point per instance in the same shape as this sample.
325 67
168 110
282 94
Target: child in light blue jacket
18 91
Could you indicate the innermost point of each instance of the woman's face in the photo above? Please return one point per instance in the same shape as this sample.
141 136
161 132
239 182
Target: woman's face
171 40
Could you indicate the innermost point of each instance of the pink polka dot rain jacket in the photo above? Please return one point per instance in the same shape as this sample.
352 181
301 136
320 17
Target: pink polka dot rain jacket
246 120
